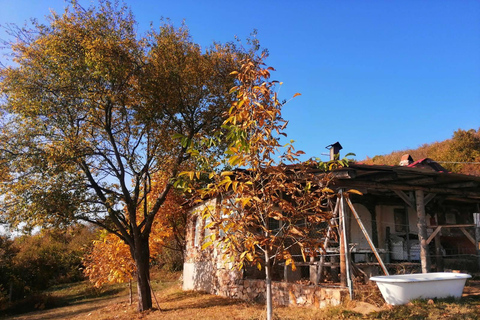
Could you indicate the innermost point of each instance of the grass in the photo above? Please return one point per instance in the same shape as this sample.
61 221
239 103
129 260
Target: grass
82 301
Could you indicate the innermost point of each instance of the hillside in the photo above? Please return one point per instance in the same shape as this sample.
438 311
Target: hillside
460 154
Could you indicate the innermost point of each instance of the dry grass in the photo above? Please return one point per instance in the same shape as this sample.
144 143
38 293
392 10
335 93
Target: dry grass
80 301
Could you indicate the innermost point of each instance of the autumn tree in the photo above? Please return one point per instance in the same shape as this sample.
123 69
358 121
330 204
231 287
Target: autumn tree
91 110
31 263
276 204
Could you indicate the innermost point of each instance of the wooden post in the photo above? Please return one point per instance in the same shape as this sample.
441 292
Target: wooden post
476 219
422 231
388 241
343 214
438 248
367 236
438 254
341 242
407 233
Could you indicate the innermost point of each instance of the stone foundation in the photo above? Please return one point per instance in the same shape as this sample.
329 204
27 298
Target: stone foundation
284 293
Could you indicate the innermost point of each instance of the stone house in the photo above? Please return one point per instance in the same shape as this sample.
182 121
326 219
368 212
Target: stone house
415 214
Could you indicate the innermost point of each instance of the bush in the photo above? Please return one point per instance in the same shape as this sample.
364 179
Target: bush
42 260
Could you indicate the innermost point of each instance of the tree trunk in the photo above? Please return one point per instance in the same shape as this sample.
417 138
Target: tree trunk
268 285
422 231
142 262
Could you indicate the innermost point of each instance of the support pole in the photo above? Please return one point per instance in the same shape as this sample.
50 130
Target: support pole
422 231
341 243
367 236
476 219
345 244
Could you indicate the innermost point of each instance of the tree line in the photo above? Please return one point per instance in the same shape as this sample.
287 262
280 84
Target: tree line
460 154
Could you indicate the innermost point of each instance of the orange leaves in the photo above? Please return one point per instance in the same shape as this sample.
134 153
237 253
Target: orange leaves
109 261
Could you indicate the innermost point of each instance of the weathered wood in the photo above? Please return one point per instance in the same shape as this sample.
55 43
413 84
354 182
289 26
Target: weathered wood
343 214
388 237
367 236
429 197
345 174
434 233
406 187
342 240
438 254
409 201
457 225
476 220
465 232
422 231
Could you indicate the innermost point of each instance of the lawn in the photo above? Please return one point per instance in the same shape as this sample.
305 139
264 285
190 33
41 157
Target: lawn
81 301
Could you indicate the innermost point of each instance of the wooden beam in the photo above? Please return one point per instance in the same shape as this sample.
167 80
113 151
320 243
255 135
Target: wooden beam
437 230
429 197
469 184
380 176
457 225
465 232
404 187
344 174
409 201
367 236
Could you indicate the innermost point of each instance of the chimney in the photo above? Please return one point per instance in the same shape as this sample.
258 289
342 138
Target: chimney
406 160
335 150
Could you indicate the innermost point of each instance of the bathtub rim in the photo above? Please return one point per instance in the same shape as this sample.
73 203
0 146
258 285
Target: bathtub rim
407 278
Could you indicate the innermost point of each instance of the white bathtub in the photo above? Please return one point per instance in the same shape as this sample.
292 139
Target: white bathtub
400 289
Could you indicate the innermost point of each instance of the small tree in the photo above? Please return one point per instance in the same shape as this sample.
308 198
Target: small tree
270 207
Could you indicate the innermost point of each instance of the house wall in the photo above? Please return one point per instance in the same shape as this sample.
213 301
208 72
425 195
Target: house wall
386 218
356 233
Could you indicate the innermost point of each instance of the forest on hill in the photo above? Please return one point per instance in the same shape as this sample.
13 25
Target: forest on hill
460 154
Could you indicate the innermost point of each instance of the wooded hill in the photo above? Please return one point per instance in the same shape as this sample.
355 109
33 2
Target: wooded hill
460 154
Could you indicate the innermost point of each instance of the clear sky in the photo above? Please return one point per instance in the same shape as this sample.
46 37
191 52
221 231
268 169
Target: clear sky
377 76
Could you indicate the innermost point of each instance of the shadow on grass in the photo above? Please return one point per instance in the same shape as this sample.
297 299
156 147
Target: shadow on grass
57 314
50 300
90 295
196 300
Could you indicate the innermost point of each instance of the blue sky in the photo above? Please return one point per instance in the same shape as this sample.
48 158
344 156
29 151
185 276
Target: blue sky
377 76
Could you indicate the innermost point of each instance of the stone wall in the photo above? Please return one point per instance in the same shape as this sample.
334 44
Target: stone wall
284 293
